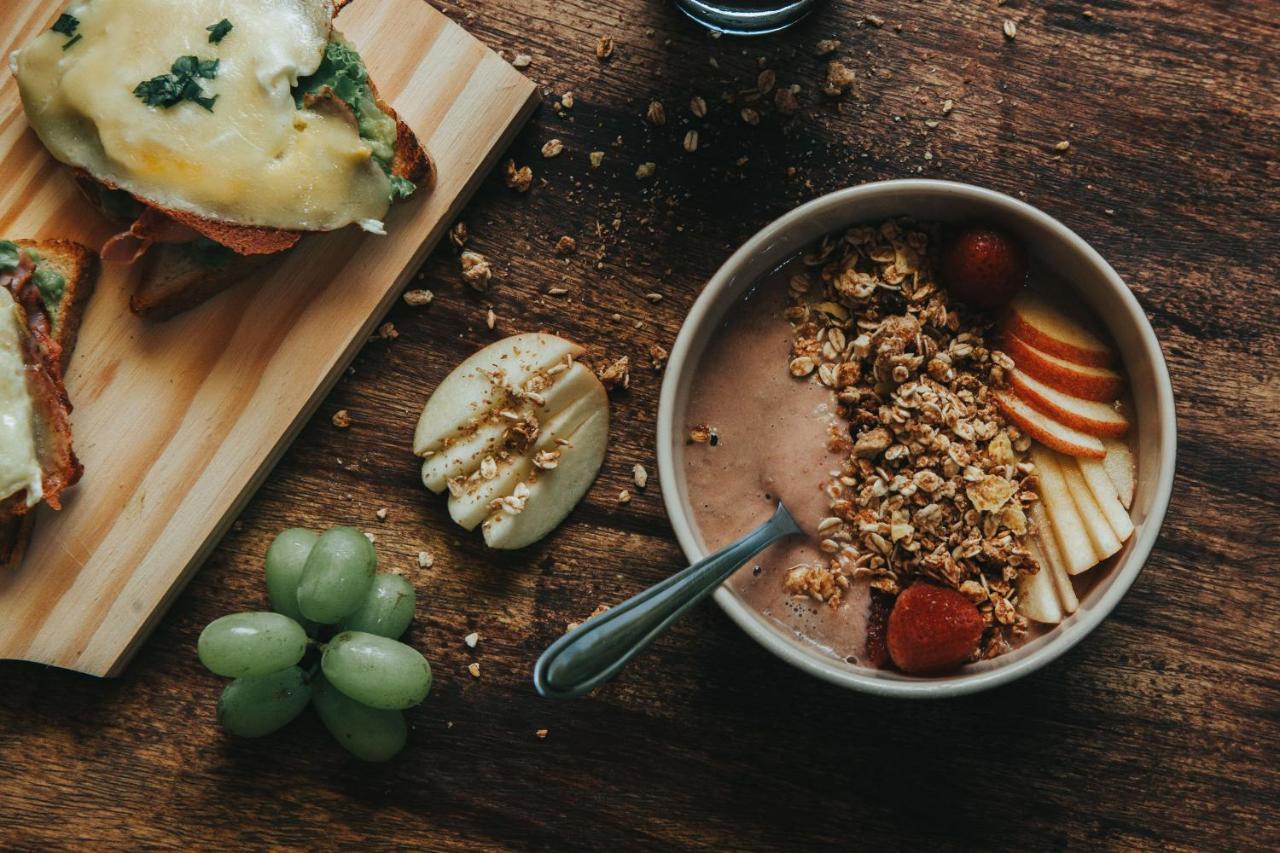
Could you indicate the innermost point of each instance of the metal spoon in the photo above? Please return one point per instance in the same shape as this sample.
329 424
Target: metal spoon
599 648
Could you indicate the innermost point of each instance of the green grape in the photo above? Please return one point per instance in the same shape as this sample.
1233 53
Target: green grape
377 671
337 575
253 707
387 609
367 733
285 559
249 644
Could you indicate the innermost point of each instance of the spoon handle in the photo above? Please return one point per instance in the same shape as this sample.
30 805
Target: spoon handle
598 649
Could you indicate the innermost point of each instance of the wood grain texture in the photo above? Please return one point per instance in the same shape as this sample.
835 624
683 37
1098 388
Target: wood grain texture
1159 731
180 421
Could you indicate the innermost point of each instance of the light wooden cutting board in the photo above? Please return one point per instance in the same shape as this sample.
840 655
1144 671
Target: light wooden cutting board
177 423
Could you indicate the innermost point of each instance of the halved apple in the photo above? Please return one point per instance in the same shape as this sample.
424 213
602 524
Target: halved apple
1057 564
1065 522
1106 496
1088 416
1078 380
1046 430
1034 320
516 433
1119 465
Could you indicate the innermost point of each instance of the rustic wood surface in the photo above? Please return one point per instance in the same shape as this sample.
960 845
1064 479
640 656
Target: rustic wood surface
181 420
1159 731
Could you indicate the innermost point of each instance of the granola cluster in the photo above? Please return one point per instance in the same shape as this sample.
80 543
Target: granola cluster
933 482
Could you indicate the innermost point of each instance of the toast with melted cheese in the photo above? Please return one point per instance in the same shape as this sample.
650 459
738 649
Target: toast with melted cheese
219 131
44 287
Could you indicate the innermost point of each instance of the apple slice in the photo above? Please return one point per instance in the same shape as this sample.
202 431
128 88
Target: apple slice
1104 539
1078 380
1104 493
1048 329
1119 465
1056 563
1037 596
1088 416
1046 430
1065 522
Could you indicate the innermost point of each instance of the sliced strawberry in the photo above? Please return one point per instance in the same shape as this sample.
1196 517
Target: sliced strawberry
878 628
932 629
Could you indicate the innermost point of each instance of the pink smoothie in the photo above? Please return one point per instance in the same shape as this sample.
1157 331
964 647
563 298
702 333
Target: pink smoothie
771 434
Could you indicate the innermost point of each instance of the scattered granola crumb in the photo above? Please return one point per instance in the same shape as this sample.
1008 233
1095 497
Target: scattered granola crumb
617 374
471 639
567 100
381 514
597 157
1010 29
490 319
557 291
826 47
541 734
785 101
476 270
459 233
370 537
418 298
653 297
658 356
425 560
947 106
646 170
552 148
766 80
839 78
624 497
656 114
1062 146
341 419
566 245
691 141
474 669
522 60
604 47
874 21
700 434
517 179
640 475
750 116
387 331
698 107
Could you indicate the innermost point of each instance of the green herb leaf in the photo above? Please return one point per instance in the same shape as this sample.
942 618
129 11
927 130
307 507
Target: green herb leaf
10 255
218 31
180 84
66 24
190 66
75 38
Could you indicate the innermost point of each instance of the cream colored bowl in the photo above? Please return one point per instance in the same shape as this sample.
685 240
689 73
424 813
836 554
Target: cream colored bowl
1057 248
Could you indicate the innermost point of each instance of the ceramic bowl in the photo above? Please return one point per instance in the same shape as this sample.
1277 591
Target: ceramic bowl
1056 247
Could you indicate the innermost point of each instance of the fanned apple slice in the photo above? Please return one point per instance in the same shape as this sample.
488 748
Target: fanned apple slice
1088 416
1119 465
470 502
461 455
1046 430
1040 324
1105 542
1064 519
1056 563
555 492
1037 596
1079 380
488 381
1104 492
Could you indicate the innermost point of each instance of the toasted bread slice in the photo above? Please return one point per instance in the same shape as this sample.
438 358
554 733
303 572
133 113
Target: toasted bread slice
54 327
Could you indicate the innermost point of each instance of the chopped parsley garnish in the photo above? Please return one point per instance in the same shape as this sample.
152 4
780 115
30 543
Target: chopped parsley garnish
75 38
66 24
180 84
10 255
218 31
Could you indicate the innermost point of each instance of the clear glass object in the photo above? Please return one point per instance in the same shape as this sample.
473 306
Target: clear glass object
746 17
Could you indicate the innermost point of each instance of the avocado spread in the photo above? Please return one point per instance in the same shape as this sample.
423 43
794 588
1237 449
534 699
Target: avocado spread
344 73
49 281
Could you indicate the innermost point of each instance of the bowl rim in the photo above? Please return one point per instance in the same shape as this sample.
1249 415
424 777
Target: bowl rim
813 662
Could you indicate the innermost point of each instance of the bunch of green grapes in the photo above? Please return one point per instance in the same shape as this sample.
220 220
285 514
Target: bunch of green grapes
331 642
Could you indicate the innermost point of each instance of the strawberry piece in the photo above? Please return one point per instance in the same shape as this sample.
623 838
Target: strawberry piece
984 267
932 629
878 628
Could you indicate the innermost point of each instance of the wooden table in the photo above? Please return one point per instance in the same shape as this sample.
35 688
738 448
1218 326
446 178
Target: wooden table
1160 730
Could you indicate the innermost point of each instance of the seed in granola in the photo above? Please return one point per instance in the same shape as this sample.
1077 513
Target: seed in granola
646 170
698 106
476 270
517 179
546 460
656 113
691 141
1010 29
604 47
